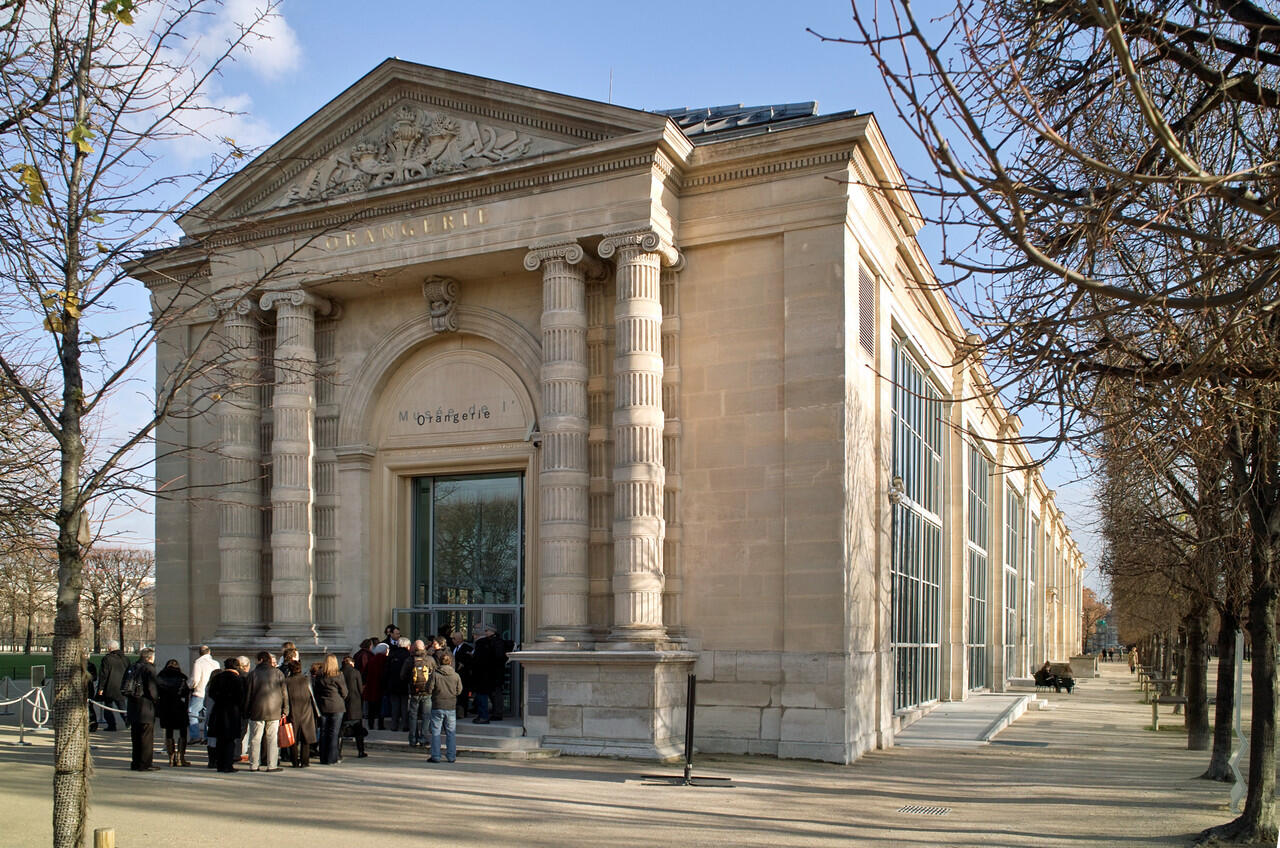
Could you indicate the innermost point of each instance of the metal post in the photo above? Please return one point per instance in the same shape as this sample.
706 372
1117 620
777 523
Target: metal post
691 702
22 722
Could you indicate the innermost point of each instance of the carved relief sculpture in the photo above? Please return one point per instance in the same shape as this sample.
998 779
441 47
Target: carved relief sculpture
442 303
416 145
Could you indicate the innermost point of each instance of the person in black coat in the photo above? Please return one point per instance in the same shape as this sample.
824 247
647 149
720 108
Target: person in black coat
302 714
226 722
353 721
462 655
488 666
142 712
331 697
396 687
175 693
110 675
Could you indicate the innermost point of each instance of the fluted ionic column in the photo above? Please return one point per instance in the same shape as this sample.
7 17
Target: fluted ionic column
564 479
240 446
638 475
293 450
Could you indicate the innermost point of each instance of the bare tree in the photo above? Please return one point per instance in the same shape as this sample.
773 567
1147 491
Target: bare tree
123 576
1092 611
100 96
1106 175
28 577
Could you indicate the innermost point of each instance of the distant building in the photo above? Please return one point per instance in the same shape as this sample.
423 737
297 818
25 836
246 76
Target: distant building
633 387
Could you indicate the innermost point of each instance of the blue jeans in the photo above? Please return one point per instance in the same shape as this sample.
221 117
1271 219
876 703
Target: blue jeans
330 730
195 732
419 714
449 720
482 706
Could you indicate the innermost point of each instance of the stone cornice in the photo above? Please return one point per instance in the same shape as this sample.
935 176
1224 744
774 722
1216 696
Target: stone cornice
516 178
569 251
757 170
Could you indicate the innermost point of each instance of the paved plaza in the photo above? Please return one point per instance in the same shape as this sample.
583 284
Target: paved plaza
1082 773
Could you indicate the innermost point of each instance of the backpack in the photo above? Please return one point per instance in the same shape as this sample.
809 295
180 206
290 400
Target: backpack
418 683
131 683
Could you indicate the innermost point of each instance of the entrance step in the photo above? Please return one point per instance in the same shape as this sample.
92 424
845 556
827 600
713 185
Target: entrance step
498 740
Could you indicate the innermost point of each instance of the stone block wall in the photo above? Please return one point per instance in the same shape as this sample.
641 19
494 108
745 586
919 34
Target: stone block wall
783 704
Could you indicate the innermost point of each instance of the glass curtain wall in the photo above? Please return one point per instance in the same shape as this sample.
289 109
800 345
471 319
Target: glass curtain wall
979 534
917 533
1012 566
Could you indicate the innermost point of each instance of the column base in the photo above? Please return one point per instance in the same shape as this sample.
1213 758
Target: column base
639 639
299 634
238 633
616 703
564 639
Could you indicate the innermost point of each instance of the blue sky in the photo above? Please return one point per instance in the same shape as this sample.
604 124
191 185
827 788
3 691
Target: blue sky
662 54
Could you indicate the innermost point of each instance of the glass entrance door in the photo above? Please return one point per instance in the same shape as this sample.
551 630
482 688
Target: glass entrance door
468 562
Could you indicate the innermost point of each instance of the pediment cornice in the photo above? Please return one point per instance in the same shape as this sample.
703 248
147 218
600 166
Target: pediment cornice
403 124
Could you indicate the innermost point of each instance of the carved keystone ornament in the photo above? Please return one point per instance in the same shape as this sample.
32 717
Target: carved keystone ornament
441 294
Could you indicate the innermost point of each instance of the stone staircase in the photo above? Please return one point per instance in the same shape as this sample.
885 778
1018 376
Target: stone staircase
501 740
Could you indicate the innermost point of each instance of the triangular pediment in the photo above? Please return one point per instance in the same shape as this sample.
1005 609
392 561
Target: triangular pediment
403 125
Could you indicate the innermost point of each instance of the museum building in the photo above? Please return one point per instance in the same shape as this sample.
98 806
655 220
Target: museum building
655 394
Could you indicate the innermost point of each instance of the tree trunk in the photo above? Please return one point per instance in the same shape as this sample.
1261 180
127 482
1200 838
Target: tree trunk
1195 678
1224 710
1257 824
26 644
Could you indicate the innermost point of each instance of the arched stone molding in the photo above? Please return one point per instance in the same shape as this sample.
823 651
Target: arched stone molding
355 423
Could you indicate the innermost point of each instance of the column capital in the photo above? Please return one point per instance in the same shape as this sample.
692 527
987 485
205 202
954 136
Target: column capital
568 251
230 307
297 297
647 241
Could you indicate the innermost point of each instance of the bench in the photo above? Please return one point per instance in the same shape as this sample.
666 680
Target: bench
1156 701
1057 675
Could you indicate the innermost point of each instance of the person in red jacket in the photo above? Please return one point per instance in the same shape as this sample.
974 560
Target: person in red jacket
372 692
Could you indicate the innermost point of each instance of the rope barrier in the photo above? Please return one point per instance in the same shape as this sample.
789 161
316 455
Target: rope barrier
40 711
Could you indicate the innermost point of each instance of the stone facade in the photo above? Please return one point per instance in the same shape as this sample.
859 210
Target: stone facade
678 348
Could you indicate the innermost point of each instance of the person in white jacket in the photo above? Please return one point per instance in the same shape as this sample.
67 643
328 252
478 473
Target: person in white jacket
201 670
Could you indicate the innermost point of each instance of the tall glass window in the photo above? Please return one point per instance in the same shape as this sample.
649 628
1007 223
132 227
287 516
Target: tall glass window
1013 514
979 567
917 532
468 563
1032 608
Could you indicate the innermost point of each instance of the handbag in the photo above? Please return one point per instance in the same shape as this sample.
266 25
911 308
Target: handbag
286 735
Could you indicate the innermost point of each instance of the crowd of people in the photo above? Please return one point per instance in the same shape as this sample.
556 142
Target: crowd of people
257 714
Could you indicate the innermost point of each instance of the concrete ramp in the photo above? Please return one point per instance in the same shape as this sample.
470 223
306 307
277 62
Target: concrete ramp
964 724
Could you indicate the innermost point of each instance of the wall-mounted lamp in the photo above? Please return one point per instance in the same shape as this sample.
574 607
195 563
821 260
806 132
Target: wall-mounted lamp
896 490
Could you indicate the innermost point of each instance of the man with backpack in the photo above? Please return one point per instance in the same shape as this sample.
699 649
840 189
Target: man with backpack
416 674
142 690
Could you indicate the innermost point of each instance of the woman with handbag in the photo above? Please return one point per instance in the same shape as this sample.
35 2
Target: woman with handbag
302 714
331 699
172 709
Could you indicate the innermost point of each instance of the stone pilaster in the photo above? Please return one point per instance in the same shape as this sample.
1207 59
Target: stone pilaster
293 450
638 473
240 516
563 480
672 563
